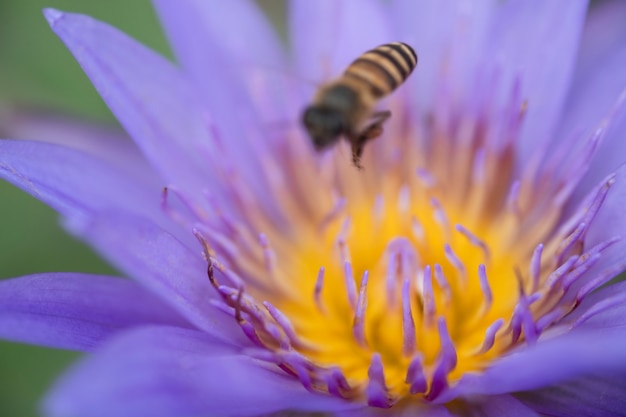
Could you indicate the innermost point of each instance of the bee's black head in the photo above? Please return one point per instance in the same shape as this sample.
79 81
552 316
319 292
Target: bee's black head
324 125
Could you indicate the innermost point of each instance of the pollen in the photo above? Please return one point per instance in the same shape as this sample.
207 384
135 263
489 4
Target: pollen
393 282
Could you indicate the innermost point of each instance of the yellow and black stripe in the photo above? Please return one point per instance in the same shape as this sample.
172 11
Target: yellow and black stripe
383 68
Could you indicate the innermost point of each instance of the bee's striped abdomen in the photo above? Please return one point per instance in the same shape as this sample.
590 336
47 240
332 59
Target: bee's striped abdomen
383 68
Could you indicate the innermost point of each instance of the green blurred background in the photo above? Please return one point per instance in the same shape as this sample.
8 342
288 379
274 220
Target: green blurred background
37 72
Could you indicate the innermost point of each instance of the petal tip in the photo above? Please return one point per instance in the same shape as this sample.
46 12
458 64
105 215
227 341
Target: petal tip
52 15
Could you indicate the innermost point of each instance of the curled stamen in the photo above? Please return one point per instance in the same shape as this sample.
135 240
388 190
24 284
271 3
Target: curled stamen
408 324
358 326
474 240
455 261
490 336
319 285
376 391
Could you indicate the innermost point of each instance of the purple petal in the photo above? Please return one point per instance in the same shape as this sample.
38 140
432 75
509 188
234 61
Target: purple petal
441 31
399 410
550 361
209 21
610 223
326 35
458 42
162 263
537 42
497 406
195 26
214 66
147 94
76 311
598 82
71 182
603 396
172 372
103 142
604 308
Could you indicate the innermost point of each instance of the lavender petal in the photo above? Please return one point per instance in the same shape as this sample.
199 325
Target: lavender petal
545 85
599 79
64 179
101 141
599 396
217 71
327 35
76 311
609 223
604 308
166 123
163 371
399 410
160 262
431 27
550 361
497 406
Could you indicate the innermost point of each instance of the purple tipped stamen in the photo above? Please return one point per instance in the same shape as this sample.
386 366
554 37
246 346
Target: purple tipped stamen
455 261
317 293
348 275
474 240
441 217
490 336
428 297
535 267
358 327
443 283
408 324
376 391
446 362
415 376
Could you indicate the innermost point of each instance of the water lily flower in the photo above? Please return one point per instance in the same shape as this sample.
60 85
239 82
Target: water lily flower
462 272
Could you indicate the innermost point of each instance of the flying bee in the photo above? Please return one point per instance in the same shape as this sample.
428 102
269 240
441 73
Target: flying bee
345 107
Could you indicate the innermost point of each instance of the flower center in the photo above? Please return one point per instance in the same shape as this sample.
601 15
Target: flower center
385 288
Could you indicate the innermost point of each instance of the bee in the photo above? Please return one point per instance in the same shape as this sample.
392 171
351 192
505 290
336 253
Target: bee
345 107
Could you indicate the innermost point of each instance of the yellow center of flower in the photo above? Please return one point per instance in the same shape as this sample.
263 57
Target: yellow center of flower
395 281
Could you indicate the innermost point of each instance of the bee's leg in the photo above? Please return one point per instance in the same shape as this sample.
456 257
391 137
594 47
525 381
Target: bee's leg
372 131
